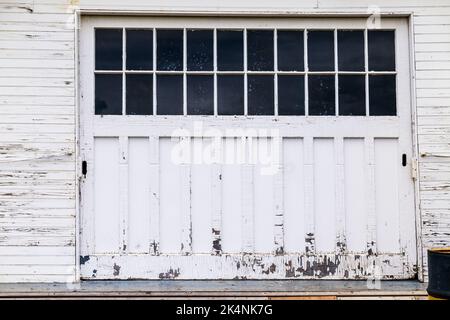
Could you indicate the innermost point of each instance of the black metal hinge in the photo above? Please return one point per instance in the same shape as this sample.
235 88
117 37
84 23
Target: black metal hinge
84 168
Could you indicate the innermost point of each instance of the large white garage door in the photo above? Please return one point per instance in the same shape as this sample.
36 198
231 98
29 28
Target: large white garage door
244 148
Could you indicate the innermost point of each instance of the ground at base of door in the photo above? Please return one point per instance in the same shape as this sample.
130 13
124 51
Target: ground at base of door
220 289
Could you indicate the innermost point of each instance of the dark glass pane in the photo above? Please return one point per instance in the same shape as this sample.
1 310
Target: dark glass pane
230 50
382 99
321 95
260 95
200 95
169 94
230 95
108 94
381 50
200 50
291 95
321 50
351 50
260 50
139 94
169 48
108 49
352 95
139 49
290 50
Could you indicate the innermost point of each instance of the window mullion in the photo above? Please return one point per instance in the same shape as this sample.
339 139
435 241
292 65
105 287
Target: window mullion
124 61
215 70
245 74
184 72
366 69
275 67
336 76
306 67
155 109
369 75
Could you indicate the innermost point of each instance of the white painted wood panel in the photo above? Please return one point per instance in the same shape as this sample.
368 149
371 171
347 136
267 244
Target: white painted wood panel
355 190
107 194
154 186
387 194
324 194
138 226
294 199
201 193
170 216
232 195
264 217
244 266
436 7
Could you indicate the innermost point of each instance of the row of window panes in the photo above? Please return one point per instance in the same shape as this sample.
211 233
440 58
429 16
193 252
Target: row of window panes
260 46
290 97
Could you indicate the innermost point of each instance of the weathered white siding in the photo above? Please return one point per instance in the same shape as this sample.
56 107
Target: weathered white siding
38 119
37 142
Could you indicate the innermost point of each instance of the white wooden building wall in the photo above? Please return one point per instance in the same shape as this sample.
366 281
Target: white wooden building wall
37 142
38 197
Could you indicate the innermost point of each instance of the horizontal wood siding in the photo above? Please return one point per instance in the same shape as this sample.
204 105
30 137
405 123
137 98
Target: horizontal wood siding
37 142
432 41
37 119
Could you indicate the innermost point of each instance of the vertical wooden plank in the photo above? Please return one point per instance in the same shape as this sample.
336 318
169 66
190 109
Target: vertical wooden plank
370 197
216 208
170 199
310 239
263 200
201 199
106 193
387 162
355 187
231 198
154 173
278 182
410 214
138 195
123 195
324 194
185 202
87 209
293 195
247 203
84 224
407 221
215 149
341 243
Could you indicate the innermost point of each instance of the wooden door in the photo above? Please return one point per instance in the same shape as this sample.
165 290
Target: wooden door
245 148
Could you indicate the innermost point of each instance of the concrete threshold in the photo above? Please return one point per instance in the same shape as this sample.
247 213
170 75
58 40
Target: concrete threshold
218 289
